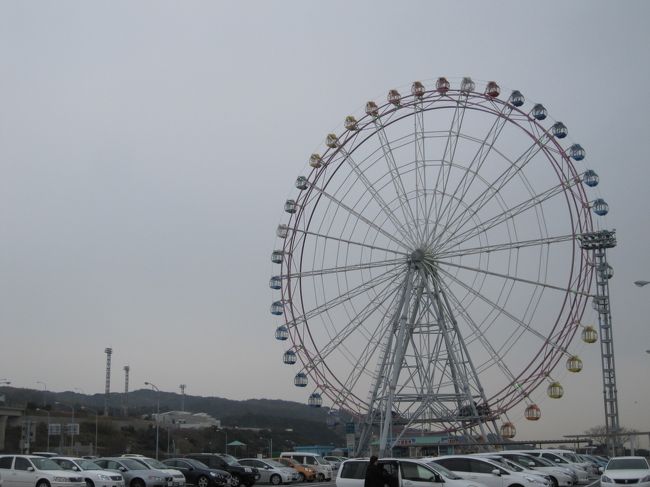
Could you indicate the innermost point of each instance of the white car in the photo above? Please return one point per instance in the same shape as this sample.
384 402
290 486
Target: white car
401 472
93 474
626 470
560 461
560 477
31 470
271 471
514 467
486 471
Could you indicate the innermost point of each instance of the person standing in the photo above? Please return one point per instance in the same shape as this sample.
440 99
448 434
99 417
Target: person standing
374 474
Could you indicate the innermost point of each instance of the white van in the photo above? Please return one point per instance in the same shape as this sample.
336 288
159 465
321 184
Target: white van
323 467
401 472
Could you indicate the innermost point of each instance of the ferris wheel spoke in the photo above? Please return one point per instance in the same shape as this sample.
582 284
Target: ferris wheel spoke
455 238
503 311
448 156
479 158
504 246
359 216
514 168
345 268
405 230
396 177
350 242
420 164
345 297
515 278
480 335
388 292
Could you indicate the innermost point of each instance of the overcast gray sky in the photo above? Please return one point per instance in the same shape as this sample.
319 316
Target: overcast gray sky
147 148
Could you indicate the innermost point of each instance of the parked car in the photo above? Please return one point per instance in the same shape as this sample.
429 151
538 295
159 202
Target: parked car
135 473
305 472
32 470
271 472
334 461
199 474
241 475
485 471
555 457
93 474
323 467
401 472
626 470
560 477
178 477
513 467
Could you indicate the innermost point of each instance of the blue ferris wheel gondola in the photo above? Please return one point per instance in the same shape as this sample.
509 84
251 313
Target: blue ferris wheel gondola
559 130
281 333
300 380
315 400
277 308
576 152
590 178
516 98
539 112
289 357
275 282
600 207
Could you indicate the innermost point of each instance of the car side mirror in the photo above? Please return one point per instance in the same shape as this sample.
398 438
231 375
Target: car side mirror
531 464
75 468
437 479
497 472
30 469
557 460
122 469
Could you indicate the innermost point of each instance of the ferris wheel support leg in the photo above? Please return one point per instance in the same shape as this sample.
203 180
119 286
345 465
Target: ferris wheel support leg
398 356
364 437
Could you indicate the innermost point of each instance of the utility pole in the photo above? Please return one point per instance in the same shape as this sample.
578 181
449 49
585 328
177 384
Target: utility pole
108 352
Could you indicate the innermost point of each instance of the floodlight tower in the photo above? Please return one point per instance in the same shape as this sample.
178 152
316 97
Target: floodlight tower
126 390
108 352
182 387
599 242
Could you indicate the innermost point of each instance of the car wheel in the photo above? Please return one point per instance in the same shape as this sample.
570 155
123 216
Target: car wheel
236 480
275 479
90 483
203 481
43 483
554 482
301 477
321 477
137 483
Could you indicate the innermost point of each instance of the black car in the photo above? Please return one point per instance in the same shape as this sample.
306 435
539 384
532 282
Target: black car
241 475
199 474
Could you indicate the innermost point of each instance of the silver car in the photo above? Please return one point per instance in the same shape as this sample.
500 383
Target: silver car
93 474
135 473
271 471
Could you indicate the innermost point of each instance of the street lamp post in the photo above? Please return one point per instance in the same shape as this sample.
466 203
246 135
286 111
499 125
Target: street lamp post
71 427
96 414
48 426
154 387
44 390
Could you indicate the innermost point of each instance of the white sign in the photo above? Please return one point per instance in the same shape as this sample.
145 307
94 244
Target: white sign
72 429
54 429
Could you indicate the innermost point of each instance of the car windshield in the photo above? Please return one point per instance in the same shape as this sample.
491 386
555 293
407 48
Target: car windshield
321 460
627 464
544 461
571 457
513 465
444 471
45 464
230 460
87 465
196 463
133 464
273 463
525 461
153 463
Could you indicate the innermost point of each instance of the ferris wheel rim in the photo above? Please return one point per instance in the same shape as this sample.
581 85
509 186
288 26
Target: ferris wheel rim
583 221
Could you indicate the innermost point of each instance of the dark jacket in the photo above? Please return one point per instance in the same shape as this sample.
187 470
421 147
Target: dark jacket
375 476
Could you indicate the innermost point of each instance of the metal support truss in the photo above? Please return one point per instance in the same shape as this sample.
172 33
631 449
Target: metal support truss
599 242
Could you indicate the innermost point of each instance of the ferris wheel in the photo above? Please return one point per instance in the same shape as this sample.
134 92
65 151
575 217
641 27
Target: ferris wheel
430 273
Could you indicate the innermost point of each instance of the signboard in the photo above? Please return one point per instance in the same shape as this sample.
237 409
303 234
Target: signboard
54 429
72 429
350 443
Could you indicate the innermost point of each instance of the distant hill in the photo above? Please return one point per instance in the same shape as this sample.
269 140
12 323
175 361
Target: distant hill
308 424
